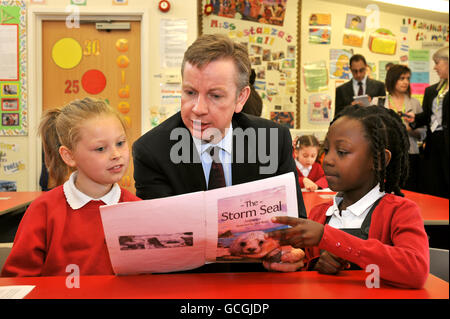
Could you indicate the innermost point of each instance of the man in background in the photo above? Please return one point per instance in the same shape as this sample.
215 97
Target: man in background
360 84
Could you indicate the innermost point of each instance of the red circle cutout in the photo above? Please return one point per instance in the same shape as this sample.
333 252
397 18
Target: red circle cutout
93 81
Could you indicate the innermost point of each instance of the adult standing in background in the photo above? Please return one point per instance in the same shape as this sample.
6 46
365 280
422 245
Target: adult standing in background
361 84
435 117
399 99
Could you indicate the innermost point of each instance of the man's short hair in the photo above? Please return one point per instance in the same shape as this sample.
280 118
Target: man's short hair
356 58
211 47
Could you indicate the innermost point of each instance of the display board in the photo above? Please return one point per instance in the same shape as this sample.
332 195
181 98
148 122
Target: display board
268 28
13 90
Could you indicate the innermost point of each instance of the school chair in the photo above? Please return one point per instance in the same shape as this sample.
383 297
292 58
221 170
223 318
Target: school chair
5 248
439 263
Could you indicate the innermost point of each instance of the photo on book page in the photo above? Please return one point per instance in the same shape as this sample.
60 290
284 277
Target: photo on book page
243 220
132 242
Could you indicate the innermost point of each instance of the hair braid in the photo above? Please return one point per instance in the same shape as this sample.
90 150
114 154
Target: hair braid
385 130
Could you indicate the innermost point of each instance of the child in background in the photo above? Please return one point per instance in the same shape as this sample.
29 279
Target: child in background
366 159
310 172
64 226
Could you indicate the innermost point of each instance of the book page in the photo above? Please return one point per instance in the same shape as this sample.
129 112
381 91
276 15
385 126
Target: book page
158 235
238 218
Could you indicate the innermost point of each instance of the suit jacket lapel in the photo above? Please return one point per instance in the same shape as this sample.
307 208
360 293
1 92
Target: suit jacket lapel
191 173
349 91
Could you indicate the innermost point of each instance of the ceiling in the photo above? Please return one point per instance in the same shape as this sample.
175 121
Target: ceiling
396 9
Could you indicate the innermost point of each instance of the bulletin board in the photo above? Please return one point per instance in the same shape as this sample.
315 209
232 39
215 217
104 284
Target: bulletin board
13 90
332 32
268 28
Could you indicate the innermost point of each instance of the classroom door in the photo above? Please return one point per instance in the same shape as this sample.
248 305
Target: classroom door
84 61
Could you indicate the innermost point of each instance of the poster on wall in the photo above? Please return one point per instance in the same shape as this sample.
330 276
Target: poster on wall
354 30
263 11
13 94
315 76
12 166
419 63
320 28
268 29
319 108
339 64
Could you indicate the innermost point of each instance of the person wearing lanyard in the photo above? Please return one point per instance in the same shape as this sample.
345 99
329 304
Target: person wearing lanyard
399 99
435 117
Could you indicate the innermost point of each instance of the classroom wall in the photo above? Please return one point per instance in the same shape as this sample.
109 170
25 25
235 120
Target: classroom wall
22 153
315 53
26 150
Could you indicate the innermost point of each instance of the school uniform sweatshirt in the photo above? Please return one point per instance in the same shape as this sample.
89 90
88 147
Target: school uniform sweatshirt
397 242
316 174
52 236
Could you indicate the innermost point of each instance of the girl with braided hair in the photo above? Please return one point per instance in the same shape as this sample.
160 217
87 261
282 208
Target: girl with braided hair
369 221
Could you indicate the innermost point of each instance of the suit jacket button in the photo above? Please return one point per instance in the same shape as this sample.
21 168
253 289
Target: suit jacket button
338 244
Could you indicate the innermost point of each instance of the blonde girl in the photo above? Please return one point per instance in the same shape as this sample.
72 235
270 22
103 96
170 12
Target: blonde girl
63 227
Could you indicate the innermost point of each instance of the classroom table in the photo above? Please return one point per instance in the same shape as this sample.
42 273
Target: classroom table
258 285
11 201
435 210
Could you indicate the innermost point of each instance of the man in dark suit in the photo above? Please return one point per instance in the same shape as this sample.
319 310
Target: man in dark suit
361 84
179 155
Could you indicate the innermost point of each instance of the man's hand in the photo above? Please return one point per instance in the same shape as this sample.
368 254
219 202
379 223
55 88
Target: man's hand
284 259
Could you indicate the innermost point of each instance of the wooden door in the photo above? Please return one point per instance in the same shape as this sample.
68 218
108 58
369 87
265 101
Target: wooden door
80 62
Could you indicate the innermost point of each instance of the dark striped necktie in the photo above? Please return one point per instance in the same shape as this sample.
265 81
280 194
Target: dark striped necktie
360 91
216 175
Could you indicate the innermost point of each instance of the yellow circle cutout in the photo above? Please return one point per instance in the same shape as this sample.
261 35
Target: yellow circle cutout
67 53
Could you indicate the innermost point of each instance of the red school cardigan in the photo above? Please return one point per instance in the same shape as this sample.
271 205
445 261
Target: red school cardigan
316 175
52 235
397 242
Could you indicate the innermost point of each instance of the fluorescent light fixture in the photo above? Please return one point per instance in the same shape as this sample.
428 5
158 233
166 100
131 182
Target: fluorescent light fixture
431 5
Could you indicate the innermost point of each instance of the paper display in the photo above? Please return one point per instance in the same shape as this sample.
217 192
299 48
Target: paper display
186 231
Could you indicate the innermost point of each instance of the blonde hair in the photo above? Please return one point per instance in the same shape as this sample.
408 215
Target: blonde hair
61 126
212 47
441 54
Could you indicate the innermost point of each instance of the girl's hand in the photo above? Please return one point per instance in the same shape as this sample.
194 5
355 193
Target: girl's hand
284 259
310 185
303 233
330 264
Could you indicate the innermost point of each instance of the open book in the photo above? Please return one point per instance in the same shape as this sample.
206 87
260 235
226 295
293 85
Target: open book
186 231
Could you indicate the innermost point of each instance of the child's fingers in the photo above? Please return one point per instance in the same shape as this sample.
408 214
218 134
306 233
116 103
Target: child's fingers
287 220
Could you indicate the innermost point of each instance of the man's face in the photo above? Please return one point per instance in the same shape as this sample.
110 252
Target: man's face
209 98
358 69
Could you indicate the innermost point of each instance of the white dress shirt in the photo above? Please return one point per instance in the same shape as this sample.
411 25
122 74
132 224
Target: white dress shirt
303 169
77 199
354 215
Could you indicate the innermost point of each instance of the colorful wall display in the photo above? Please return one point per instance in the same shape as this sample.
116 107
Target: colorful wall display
354 30
271 44
339 64
13 93
320 28
261 11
